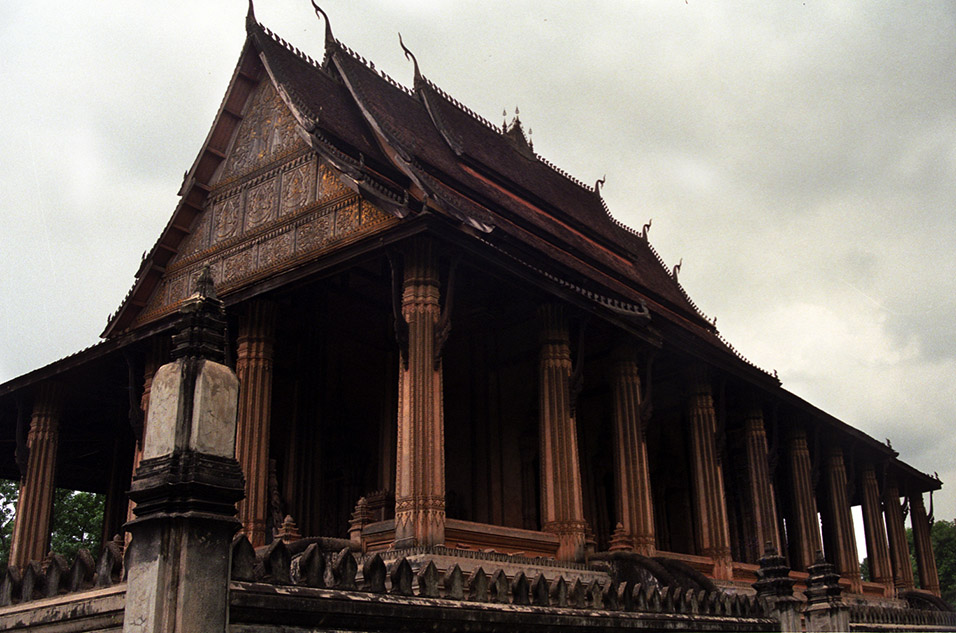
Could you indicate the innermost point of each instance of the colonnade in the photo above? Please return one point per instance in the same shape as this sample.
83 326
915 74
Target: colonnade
420 461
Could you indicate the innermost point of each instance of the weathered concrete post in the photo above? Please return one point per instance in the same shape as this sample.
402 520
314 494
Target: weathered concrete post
187 484
825 610
775 589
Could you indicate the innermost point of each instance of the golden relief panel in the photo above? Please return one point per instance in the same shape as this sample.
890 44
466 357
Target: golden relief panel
238 265
261 204
277 249
266 133
227 216
298 188
315 233
198 238
329 184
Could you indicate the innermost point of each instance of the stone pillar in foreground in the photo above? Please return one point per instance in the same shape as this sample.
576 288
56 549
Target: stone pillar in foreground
758 477
635 509
254 360
877 548
805 536
825 610
775 589
896 532
562 501
713 530
925 561
420 458
31 531
187 484
843 539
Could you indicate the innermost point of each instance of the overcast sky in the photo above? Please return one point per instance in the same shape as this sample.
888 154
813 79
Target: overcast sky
799 157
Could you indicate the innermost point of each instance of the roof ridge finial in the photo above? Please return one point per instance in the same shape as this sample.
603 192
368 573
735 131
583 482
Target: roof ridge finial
410 55
329 39
251 14
599 183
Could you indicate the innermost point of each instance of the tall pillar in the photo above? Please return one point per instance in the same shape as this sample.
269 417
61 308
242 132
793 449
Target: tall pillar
805 530
764 509
874 528
254 360
31 531
155 358
562 501
713 530
925 561
896 532
420 461
186 485
841 521
635 508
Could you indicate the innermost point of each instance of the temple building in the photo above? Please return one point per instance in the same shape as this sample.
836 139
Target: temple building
446 344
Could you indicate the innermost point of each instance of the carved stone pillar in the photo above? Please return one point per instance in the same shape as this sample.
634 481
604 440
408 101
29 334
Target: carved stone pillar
805 529
635 508
764 509
877 549
31 531
158 355
925 561
713 530
420 462
254 360
896 532
843 539
562 502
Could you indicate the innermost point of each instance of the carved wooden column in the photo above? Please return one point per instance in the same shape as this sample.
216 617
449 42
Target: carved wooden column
562 503
896 532
805 529
925 561
254 360
31 531
420 462
713 530
843 539
877 549
635 508
761 488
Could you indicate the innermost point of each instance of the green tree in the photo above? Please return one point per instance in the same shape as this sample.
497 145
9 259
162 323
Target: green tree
943 537
77 520
8 511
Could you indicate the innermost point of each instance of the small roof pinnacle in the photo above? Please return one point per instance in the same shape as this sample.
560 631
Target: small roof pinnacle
411 56
329 39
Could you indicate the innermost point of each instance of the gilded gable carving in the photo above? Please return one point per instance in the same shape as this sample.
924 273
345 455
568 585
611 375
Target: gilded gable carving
227 216
298 188
261 204
267 133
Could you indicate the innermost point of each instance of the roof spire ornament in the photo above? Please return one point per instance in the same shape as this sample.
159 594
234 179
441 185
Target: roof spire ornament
328 25
411 56
599 183
250 15
677 268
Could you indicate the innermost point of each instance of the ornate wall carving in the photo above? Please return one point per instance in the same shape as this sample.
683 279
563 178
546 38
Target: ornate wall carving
275 205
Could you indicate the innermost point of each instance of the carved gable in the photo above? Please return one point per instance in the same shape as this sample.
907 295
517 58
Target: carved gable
274 205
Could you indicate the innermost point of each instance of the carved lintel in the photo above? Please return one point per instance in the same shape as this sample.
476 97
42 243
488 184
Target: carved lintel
401 325
443 327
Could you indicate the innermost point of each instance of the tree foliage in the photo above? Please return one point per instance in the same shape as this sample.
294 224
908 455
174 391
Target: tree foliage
77 520
943 536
